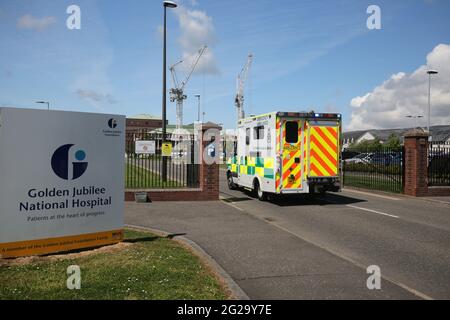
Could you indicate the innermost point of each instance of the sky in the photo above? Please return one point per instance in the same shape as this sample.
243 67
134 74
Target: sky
308 55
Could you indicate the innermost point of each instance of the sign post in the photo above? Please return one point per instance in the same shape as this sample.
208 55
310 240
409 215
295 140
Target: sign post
61 181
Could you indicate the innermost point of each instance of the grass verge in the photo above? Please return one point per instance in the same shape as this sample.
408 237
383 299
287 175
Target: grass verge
139 178
378 183
144 267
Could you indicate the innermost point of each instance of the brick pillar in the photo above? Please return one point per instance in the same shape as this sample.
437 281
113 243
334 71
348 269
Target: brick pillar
416 163
209 167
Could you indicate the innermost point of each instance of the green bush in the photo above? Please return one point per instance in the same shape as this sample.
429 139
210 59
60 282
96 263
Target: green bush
367 167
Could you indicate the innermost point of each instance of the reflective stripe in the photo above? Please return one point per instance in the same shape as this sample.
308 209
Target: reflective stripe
262 167
324 145
278 143
292 160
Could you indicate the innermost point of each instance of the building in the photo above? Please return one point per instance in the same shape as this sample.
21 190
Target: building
187 129
439 133
143 122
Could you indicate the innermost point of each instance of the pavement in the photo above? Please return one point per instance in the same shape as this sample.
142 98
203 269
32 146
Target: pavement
316 248
445 200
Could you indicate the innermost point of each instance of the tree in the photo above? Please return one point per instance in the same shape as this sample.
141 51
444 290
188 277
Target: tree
393 142
368 145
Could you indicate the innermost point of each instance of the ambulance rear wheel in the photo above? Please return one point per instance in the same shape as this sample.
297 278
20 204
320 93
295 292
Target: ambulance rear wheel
262 196
230 182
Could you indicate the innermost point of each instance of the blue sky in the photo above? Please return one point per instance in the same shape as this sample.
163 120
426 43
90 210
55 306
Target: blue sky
307 55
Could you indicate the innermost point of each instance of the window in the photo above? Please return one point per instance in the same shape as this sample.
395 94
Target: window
292 132
247 136
258 133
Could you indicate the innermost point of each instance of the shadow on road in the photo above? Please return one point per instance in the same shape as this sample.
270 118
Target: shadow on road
311 200
237 199
295 200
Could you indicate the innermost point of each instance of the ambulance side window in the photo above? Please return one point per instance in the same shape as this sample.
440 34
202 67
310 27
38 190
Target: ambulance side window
247 136
292 132
258 133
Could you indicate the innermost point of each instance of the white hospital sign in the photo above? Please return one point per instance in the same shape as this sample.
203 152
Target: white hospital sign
145 147
61 181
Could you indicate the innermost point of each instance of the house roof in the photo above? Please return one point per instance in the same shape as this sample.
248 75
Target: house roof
439 133
354 135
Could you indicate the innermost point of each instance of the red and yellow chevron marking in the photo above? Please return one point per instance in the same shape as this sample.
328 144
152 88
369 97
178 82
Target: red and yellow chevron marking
290 167
305 150
324 156
278 143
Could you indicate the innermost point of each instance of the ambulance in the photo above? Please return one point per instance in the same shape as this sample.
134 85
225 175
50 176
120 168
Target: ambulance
287 153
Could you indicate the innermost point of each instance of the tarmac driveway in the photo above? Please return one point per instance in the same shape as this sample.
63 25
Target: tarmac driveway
265 261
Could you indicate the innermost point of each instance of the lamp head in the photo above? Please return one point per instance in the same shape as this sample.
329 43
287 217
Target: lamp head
170 4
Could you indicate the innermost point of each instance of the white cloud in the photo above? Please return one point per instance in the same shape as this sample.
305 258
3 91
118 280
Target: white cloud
197 30
359 101
388 105
94 96
32 23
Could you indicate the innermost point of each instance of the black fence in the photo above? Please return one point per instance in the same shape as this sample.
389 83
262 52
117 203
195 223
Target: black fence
439 164
377 169
144 162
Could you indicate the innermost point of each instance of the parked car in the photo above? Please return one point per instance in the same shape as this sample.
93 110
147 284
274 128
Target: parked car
381 159
397 158
360 158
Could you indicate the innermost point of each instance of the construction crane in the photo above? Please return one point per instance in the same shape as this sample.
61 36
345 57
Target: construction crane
177 93
241 80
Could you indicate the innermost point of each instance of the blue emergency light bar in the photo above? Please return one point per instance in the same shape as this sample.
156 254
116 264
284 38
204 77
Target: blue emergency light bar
310 115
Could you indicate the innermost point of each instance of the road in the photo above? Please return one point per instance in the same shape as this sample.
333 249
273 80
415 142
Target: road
409 239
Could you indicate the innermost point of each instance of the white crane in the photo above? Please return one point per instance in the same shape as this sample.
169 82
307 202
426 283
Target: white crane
177 93
241 79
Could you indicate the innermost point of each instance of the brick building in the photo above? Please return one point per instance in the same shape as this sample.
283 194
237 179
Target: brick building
143 122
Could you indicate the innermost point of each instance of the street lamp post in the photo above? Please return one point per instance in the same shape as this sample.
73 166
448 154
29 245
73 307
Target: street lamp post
198 111
172 5
430 73
45 102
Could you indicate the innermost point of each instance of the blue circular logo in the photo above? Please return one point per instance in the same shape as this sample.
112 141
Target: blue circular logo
112 123
62 166
80 155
